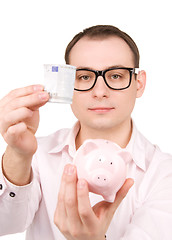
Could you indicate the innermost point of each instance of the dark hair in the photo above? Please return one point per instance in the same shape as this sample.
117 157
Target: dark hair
101 32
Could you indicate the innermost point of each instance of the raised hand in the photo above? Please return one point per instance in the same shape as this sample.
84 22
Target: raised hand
19 120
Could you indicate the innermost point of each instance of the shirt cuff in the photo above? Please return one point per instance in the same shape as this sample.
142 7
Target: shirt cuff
12 192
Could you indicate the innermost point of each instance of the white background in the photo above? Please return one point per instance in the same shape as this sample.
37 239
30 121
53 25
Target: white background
36 32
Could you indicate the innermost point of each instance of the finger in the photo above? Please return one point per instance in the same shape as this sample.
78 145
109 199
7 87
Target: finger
14 117
71 203
60 213
84 207
33 101
20 92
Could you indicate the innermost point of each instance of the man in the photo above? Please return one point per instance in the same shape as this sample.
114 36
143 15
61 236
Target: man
40 191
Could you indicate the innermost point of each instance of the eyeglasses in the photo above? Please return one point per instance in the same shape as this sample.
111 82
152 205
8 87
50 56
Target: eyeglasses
115 78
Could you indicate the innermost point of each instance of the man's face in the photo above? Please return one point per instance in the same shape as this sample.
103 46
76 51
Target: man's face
102 108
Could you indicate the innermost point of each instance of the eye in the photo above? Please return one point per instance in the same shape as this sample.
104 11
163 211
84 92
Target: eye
100 160
111 163
84 77
115 76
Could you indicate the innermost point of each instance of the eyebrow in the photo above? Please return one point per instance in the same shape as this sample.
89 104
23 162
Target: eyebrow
113 66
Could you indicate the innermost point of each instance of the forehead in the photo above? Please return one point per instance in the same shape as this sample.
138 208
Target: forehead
101 53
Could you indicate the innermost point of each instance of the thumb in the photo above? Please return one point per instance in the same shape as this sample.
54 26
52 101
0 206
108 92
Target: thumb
121 194
105 210
108 208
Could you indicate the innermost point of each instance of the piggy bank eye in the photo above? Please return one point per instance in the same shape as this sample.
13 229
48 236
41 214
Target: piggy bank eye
111 163
100 160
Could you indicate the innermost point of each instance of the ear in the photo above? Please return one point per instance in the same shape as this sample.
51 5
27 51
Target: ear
126 156
141 83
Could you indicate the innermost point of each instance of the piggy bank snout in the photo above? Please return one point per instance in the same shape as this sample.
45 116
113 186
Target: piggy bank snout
101 178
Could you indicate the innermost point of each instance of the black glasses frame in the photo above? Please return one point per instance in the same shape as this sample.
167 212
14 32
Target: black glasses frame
102 74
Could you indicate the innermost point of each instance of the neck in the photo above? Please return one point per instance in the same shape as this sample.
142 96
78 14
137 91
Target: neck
120 134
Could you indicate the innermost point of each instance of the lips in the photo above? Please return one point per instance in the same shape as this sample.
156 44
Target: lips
101 109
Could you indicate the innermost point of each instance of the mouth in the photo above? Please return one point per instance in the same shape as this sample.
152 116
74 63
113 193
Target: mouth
101 109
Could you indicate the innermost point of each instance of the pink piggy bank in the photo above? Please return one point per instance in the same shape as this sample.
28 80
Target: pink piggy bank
103 164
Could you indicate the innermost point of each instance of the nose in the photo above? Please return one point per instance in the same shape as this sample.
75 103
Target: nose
100 89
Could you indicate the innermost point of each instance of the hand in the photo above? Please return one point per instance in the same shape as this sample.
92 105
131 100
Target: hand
75 217
19 118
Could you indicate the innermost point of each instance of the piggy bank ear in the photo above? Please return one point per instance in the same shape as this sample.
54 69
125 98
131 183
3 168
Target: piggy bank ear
126 156
83 150
89 146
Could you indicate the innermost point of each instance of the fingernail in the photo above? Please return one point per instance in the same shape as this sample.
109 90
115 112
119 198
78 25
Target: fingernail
43 96
69 170
81 183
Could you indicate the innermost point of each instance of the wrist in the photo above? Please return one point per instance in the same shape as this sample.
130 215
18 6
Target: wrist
16 168
13 157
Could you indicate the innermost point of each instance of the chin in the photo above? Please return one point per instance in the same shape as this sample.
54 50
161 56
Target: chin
102 125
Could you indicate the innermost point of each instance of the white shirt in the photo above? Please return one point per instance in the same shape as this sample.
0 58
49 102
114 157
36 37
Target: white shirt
145 214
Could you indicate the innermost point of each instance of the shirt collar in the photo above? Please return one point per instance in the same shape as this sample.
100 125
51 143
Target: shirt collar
69 141
136 145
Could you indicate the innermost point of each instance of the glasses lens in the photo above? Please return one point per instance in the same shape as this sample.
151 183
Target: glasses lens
84 79
118 78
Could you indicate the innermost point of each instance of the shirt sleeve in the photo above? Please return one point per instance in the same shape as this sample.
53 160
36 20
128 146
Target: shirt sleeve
152 220
18 204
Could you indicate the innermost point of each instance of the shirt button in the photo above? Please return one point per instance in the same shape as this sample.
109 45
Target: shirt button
12 194
1 187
